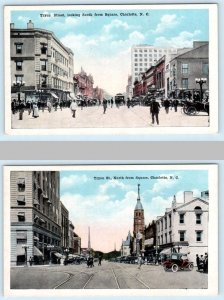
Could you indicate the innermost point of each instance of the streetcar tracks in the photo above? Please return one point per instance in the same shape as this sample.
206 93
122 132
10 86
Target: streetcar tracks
115 277
91 276
65 281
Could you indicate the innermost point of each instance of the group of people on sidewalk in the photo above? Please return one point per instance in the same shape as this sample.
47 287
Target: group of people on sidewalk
202 263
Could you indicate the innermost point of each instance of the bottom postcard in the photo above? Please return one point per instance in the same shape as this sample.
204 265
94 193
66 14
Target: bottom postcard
111 230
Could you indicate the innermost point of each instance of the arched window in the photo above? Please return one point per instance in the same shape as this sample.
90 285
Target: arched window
198 213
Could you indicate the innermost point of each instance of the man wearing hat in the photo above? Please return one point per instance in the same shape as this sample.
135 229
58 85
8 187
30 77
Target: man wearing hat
154 110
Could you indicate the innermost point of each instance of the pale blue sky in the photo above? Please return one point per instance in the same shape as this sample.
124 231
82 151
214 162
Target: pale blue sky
102 45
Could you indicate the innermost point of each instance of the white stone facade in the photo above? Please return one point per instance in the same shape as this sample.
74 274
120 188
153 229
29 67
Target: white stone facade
184 226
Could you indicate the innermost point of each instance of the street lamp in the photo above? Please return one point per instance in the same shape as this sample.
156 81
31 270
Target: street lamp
19 84
25 247
50 247
156 247
66 252
201 81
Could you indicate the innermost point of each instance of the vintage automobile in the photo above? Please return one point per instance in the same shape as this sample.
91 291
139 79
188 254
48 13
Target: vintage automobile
194 107
178 261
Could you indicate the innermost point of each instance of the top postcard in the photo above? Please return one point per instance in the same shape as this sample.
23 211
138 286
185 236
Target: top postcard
111 69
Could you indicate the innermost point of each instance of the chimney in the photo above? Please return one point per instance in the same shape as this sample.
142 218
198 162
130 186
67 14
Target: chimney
12 25
174 202
188 196
30 25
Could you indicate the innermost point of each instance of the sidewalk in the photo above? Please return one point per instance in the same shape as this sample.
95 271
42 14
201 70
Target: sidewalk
93 117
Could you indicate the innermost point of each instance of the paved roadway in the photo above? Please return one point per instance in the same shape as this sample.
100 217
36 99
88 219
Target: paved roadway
93 117
108 276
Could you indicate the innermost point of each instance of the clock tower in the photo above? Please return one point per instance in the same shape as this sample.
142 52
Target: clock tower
139 219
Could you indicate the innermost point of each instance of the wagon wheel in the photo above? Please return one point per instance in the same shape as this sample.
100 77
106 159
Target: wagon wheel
191 267
191 111
174 268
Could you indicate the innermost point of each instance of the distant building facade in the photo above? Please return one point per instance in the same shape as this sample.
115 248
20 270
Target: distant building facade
71 237
39 59
84 84
126 246
77 243
35 223
145 56
64 220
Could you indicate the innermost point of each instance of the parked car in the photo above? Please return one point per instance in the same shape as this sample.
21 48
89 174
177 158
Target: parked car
178 261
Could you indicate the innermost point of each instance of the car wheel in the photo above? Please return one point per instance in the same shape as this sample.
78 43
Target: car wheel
174 268
191 267
191 111
166 268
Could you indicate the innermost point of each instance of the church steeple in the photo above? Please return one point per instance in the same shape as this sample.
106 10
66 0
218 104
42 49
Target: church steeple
138 204
139 220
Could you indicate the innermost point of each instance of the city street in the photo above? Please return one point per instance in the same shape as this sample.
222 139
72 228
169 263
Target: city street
108 276
93 117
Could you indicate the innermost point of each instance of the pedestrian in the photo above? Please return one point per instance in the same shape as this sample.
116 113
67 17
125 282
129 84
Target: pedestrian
166 104
104 105
61 104
43 105
21 109
100 259
206 263
111 102
56 105
201 263
49 106
139 261
73 107
197 261
154 110
128 103
31 261
29 107
175 104
35 110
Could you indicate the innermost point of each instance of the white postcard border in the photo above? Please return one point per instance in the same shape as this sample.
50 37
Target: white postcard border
213 76
212 233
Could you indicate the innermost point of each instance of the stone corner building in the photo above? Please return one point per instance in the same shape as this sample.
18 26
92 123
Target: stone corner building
43 62
35 216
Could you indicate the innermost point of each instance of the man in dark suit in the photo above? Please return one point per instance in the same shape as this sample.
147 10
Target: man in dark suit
154 110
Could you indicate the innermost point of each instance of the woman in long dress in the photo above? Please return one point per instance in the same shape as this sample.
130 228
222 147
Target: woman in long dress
35 111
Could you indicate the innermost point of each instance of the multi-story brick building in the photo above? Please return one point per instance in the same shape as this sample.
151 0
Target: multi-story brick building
35 225
64 222
39 59
84 84
184 226
71 237
77 243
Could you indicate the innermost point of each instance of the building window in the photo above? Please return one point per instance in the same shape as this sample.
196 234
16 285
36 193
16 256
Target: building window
170 220
198 218
184 68
166 238
185 83
182 236
19 78
170 235
19 48
205 68
43 49
21 217
21 200
198 236
181 216
21 184
18 65
43 65
166 223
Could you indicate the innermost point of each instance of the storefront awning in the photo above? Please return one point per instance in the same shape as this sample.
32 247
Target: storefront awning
57 254
166 251
37 252
54 95
20 250
21 235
